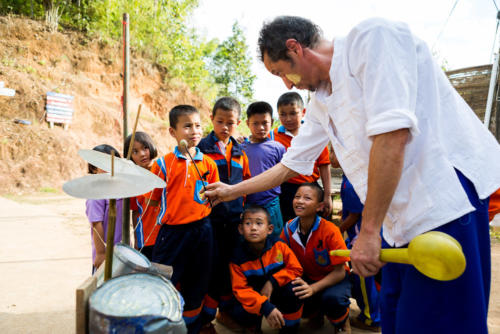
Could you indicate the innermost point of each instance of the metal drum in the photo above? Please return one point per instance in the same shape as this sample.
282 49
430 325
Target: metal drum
136 303
126 260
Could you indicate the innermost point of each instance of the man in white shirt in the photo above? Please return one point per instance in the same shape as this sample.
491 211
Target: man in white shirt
416 154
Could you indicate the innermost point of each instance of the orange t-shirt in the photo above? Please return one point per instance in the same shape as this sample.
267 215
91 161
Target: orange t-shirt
494 207
315 256
182 203
281 136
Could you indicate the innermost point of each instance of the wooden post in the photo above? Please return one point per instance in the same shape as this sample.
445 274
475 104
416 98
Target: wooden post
108 266
126 77
110 241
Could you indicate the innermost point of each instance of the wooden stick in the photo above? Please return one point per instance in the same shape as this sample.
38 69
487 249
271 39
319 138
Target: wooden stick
108 265
133 133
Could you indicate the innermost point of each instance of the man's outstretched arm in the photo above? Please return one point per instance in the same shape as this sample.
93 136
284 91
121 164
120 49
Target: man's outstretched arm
221 192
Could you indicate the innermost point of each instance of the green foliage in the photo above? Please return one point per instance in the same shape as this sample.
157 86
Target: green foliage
232 67
159 30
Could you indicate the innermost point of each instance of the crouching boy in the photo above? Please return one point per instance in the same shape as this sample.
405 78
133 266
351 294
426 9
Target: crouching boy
262 271
325 287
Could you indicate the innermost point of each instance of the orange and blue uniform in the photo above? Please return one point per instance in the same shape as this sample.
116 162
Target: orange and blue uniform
233 167
249 272
185 240
494 206
146 229
289 188
312 252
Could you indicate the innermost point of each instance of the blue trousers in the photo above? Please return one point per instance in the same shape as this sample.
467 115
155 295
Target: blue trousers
220 291
283 298
188 249
332 302
414 303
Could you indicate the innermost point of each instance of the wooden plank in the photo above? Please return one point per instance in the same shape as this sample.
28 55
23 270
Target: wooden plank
83 293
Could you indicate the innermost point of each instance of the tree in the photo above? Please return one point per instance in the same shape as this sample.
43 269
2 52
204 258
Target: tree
231 67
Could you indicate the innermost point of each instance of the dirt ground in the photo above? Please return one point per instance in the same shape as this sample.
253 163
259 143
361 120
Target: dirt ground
45 254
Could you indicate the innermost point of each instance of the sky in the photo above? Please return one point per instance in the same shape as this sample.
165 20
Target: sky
465 40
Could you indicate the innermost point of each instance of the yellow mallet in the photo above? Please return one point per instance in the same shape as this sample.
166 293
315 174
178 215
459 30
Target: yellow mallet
434 254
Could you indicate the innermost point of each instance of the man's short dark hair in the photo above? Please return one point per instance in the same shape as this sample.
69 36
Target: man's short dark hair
178 111
260 107
274 34
254 208
291 98
227 103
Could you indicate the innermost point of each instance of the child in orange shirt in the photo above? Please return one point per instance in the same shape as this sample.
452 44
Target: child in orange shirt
185 240
291 111
325 286
144 214
262 271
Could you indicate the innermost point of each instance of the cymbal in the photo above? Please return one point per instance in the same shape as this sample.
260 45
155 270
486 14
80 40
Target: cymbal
121 166
105 186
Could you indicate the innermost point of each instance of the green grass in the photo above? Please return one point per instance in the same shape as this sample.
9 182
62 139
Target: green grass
48 190
494 234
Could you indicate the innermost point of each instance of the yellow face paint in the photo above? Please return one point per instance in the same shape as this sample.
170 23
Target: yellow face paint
294 78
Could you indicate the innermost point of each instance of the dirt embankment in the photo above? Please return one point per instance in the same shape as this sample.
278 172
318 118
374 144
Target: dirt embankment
34 61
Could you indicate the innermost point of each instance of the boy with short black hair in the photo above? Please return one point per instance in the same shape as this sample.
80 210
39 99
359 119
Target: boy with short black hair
262 269
325 287
233 167
291 111
185 239
263 153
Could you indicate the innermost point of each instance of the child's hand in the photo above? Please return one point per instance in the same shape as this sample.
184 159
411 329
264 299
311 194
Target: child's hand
267 289
302 289
99 259
241 139
275 319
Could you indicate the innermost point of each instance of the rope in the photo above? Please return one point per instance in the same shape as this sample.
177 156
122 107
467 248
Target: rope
445 23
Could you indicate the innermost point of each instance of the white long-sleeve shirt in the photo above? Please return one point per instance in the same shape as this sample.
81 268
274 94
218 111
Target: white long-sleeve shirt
384 79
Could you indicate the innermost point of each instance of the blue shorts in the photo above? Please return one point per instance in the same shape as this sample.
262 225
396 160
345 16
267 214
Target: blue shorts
412 303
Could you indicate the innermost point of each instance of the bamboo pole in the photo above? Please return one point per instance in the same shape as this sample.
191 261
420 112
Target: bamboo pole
132 140
108 264
126 78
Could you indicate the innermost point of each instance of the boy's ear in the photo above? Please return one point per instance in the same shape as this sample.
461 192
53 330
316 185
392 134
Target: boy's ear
240 228
248 122
321 206
270 229
303 112
171 130
211 117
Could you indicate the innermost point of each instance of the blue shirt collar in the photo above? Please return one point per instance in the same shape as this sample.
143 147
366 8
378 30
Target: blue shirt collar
198 156
294 224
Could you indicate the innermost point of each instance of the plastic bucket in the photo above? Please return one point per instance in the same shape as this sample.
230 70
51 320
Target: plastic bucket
136 303
126 260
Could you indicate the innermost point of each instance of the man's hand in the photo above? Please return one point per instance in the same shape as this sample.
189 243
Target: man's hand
365 254
302 289
218 192
275 319
267 289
